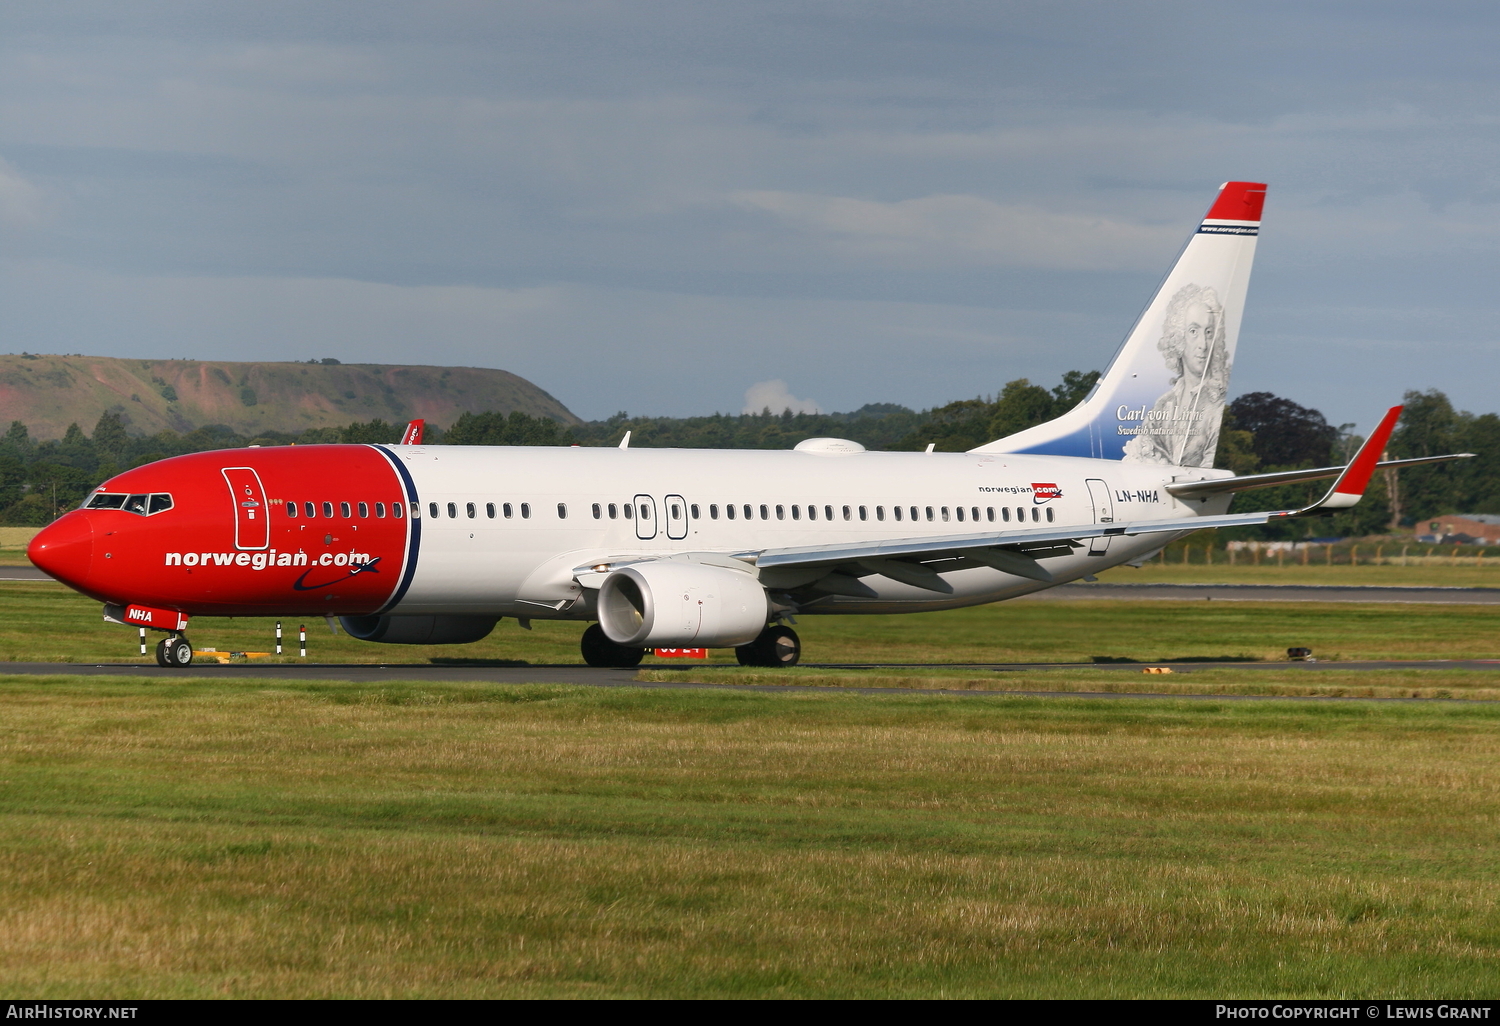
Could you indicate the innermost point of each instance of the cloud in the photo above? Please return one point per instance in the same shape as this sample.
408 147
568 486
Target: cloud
970 229
776 397
21 203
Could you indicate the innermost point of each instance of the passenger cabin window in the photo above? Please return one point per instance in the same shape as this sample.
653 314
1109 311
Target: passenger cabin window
879 512
974 514
489 510
929 512
764 513
847 514
644 511
364 509
713 510
960 513
796 512
470 510
748 514
780 512
506 509
432 510
598 512
812 512
914 514
328 510
627 509
309 509
612 511
562 511
864 514
525 511
896 510
380 510
452 511
1005 513
693 509
291 509
397 507
989 513
729 511
827 512
344 510
1035 514
945 514
416 511
1049 514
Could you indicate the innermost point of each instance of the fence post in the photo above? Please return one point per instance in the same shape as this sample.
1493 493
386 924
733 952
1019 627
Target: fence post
143 641
278 637
302 640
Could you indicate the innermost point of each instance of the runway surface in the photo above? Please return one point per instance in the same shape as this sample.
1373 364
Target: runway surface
1172 592
592 677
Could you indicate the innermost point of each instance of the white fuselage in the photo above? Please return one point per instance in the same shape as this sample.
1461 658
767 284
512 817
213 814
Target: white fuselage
567 509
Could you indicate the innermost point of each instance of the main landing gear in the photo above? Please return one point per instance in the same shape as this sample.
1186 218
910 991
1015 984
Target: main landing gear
598 650
774 646
175 650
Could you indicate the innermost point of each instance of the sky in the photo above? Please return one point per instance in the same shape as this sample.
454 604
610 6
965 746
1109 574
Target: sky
682 208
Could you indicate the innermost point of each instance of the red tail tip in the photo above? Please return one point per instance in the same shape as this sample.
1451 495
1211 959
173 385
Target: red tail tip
1238 201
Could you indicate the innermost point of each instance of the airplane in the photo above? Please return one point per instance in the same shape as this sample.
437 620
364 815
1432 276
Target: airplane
674 548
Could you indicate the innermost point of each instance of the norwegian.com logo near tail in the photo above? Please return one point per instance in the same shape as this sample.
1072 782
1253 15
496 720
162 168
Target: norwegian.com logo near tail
1041 493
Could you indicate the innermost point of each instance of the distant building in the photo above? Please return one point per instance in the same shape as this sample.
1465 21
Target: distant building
1461 529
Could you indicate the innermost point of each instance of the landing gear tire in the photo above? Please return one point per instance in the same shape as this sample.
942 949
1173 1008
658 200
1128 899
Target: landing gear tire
774 646
598 650
176 651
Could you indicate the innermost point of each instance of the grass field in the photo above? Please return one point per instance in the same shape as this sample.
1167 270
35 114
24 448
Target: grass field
197 838
47 622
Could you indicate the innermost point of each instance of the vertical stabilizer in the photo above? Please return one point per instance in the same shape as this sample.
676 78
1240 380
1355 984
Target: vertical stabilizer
1162 399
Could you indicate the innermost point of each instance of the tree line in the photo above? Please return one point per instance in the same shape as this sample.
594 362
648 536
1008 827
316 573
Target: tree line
1262 432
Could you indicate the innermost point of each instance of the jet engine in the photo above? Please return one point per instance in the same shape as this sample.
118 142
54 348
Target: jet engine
419 630
675 604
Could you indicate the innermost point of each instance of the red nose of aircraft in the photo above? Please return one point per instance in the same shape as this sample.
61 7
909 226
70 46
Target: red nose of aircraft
65 549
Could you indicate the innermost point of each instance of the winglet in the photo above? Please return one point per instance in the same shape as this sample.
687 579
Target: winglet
1351 484
413 433
625 442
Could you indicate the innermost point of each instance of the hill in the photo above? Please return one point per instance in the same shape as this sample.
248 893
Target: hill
48 393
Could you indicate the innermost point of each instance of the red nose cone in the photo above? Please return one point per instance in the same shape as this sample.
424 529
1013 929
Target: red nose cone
65 549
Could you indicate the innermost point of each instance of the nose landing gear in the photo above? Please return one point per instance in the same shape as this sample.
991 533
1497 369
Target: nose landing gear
774 646
175 650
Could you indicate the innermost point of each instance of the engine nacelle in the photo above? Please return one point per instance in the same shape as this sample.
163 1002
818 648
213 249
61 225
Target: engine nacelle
419 630
675 604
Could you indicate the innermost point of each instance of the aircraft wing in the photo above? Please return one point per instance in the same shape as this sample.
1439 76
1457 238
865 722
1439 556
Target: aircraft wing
1017 552
1249 482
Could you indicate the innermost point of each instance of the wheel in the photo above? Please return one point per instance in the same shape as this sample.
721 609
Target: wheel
598 650
774 646
161 653
179 651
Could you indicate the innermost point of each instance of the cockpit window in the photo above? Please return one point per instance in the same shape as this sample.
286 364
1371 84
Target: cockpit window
145 505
